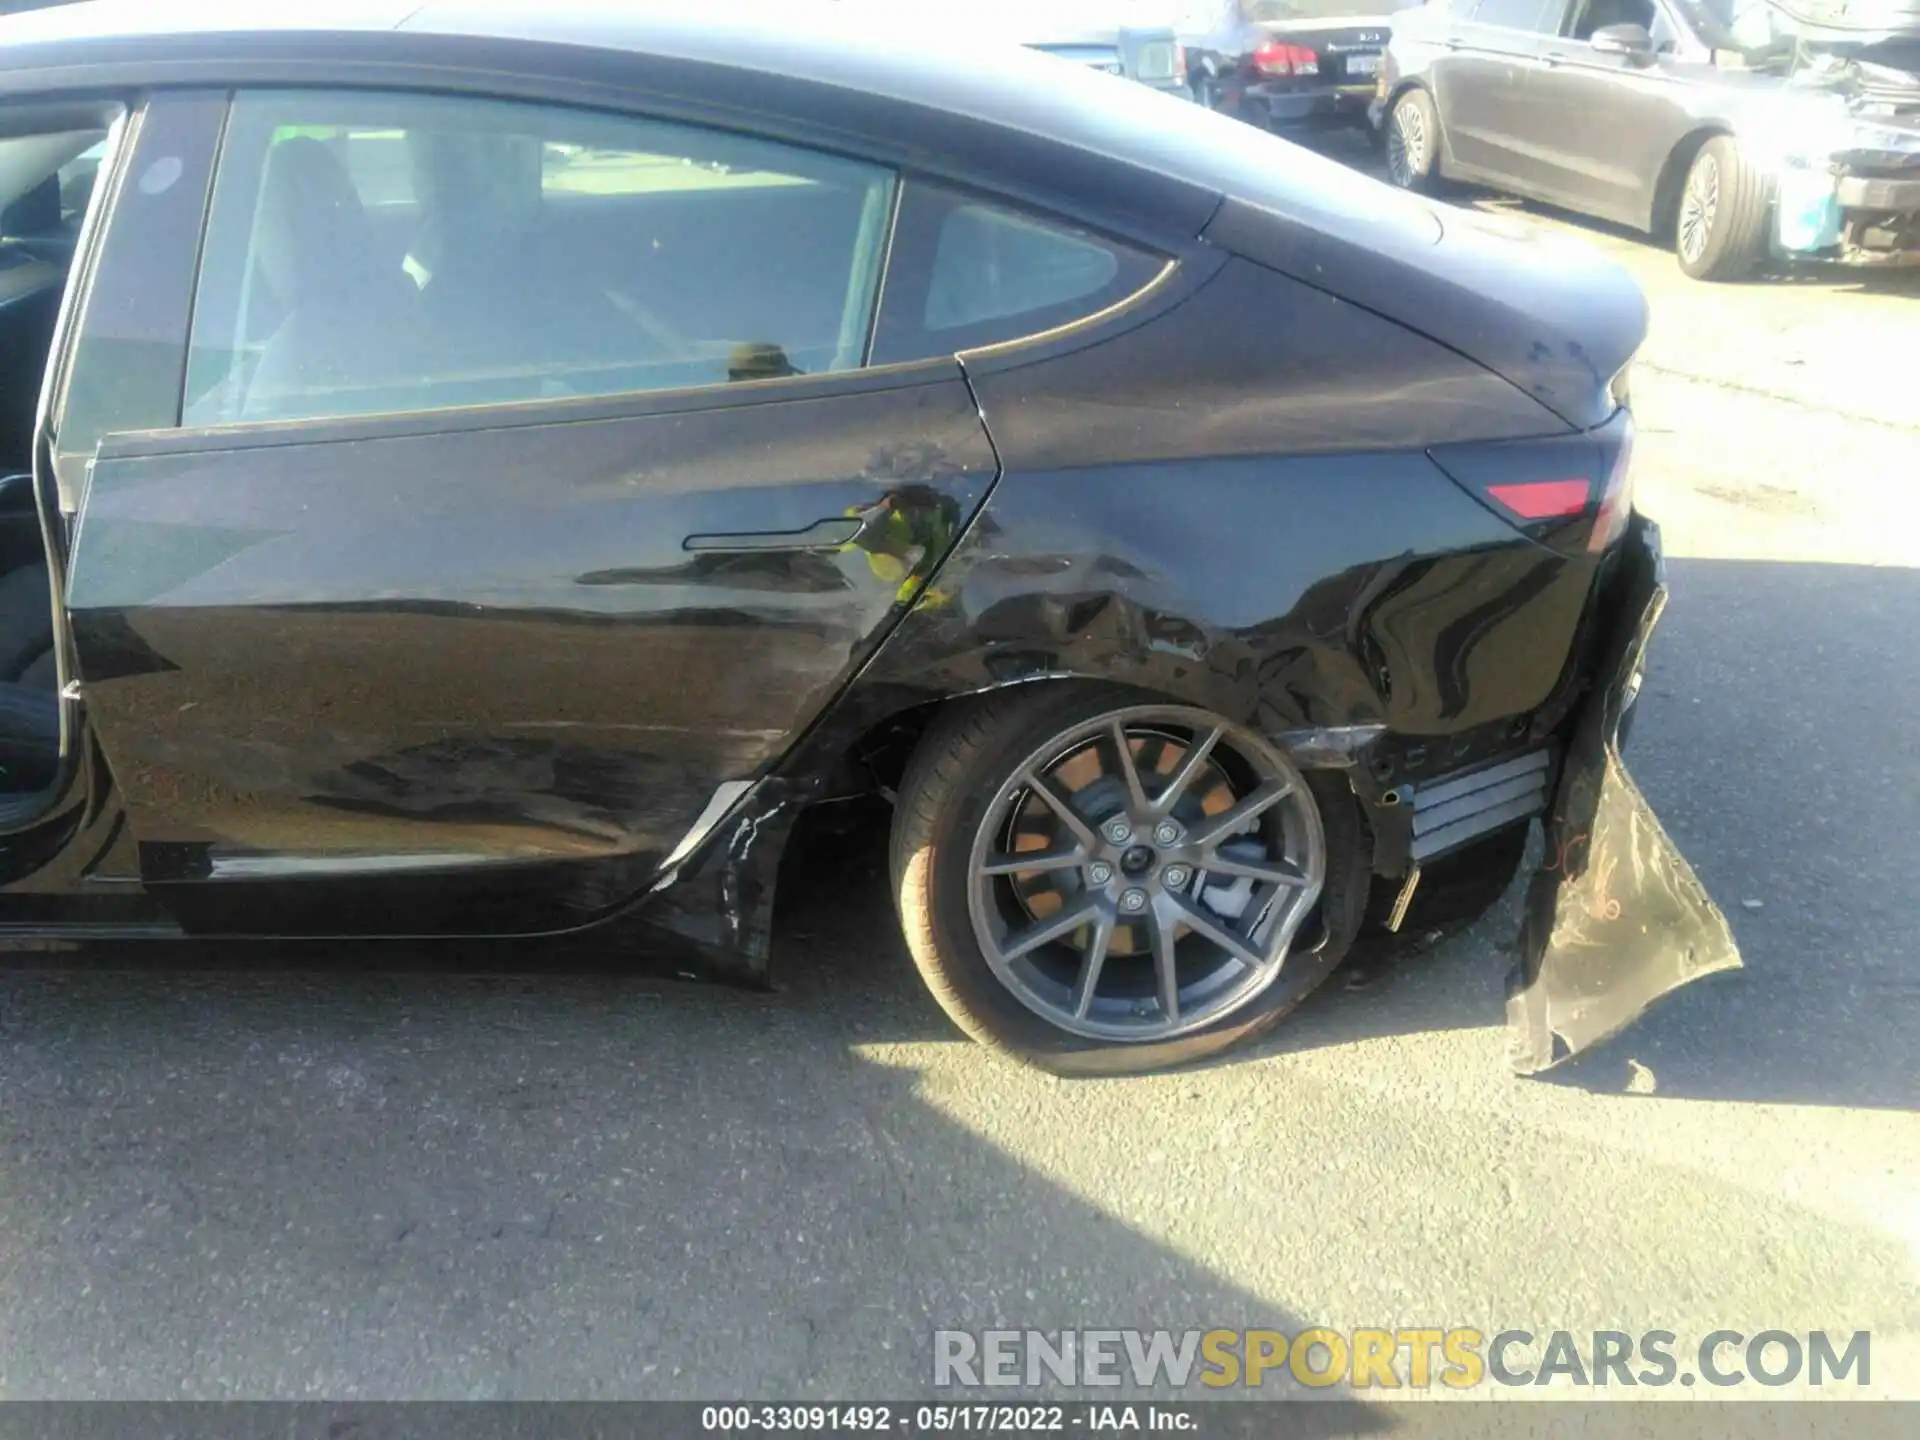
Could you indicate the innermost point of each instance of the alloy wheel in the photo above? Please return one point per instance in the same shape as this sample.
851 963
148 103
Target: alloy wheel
1698 204
1143 874
1406 146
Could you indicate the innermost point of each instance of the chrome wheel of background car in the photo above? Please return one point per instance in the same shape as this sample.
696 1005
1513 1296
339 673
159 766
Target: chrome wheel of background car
1407 146
1698 204
1143 874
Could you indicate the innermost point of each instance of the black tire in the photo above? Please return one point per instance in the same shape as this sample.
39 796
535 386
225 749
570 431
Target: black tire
1454 893
972 747
1731 234
1410 138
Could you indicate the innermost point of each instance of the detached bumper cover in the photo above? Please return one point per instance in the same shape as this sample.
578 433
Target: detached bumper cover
1615 917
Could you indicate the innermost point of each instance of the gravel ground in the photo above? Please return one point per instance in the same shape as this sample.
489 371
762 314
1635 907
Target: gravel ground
423 1175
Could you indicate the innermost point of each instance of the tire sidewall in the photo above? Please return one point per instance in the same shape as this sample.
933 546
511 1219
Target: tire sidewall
1715 262
1010 1024
1418 180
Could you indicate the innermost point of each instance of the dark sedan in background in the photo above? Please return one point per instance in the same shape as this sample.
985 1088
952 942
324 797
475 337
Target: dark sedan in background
1740 135
496 483
1286 65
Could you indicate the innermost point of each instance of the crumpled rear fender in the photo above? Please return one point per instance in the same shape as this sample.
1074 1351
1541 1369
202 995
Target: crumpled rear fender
1615 917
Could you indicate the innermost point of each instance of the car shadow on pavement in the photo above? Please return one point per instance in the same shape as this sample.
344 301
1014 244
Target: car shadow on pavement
329 1182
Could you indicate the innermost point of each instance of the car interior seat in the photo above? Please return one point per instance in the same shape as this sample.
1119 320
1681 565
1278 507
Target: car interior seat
349 314
1599 13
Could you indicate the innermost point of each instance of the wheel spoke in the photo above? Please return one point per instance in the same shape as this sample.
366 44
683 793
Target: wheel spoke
1071 951
1190 766
1024 862
1091 964
1127 769
1217 827
1062 806
1052 928
1165 973
1208 924
1273 872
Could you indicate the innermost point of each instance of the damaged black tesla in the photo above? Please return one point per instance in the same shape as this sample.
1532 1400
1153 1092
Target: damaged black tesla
488 473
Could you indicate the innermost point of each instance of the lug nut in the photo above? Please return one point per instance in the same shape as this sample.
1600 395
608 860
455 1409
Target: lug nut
1165 833
1134 900
1100 872
1119 832
1176 877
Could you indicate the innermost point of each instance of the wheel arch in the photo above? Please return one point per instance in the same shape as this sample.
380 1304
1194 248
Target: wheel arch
870 754
1403 85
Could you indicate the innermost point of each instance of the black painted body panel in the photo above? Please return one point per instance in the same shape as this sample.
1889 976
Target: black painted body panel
314 661
1263 537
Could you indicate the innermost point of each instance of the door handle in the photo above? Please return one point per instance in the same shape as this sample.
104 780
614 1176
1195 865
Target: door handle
829 534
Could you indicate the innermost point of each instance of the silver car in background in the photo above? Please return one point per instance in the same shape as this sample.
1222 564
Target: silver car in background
1742 130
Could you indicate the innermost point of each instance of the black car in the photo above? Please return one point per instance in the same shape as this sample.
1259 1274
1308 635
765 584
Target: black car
1287 65
494 473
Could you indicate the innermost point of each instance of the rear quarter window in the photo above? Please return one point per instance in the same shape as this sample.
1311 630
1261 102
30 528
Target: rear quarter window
968 272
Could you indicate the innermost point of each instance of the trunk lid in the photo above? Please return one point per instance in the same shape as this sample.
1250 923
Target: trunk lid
1348 47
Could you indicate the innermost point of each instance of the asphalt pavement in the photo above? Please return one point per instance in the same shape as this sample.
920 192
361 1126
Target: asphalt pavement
536 1173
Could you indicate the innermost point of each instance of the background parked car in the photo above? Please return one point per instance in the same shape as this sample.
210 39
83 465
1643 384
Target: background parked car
1115 36
1731 127
1131 38
1286 64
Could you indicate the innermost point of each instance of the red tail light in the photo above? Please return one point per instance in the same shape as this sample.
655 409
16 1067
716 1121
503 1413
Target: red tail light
1572 492
1542 499
1275 58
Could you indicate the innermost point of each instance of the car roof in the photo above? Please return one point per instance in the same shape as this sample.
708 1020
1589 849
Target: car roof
1185 159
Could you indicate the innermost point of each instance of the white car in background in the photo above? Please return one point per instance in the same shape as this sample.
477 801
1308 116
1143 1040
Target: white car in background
1135 39
1122 37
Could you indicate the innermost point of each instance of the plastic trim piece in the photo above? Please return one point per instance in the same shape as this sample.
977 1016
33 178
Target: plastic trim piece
1458 808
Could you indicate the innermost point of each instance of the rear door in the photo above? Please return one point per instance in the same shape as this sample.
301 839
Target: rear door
1606 123
1478 88
532 494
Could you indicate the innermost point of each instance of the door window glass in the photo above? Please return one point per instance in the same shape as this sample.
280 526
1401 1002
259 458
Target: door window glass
370 253
1542 16
1597 14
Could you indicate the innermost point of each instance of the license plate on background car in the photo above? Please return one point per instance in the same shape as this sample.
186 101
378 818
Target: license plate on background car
1363 64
